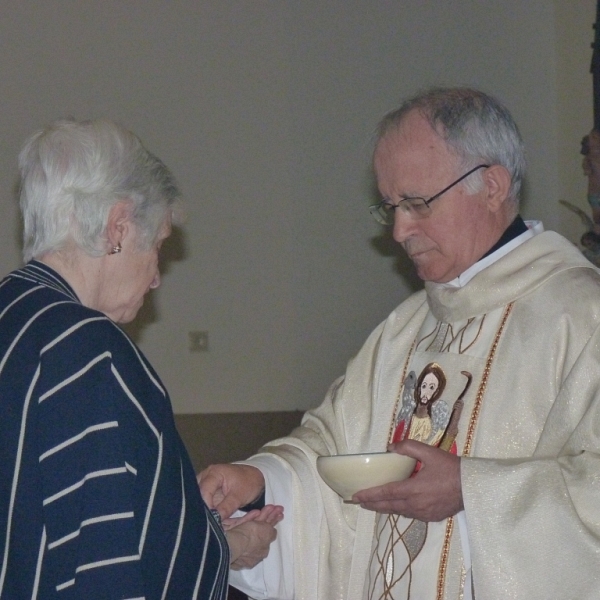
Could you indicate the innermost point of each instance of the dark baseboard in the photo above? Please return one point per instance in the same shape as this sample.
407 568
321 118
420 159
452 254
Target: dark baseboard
227 437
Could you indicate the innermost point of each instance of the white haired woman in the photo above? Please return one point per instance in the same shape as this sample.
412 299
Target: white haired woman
98 497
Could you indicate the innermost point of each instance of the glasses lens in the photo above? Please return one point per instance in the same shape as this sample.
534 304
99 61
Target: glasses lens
383 213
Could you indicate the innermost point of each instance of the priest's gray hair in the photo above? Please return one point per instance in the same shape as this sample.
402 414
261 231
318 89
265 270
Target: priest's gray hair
74 172
475 126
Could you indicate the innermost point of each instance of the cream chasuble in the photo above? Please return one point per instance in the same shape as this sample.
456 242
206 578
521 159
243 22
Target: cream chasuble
528 431
444 375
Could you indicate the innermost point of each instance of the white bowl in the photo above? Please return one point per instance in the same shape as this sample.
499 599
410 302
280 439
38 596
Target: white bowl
347 474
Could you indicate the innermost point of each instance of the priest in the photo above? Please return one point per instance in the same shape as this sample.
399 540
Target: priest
489 377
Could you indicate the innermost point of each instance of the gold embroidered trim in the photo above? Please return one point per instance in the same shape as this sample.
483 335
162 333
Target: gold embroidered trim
444 559
484 381
429 335
462 350
445 344
467 448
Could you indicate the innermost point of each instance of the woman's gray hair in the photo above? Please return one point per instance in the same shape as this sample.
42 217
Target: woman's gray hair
74 172
475 126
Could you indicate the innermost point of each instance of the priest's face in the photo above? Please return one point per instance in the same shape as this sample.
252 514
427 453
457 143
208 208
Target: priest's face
414 161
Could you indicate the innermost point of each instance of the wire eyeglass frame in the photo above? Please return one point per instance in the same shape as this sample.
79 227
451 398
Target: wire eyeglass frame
416 208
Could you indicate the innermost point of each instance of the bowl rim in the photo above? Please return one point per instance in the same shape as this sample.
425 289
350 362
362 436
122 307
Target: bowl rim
360 454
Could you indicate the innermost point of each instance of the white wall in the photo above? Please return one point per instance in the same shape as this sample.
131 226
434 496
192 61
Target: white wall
264 110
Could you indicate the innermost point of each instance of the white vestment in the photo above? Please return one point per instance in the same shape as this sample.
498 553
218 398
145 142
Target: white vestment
527 330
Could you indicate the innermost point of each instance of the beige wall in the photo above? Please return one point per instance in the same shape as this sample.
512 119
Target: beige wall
574 34
264 111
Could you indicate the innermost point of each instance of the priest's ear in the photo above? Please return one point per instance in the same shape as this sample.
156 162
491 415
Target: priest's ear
497 182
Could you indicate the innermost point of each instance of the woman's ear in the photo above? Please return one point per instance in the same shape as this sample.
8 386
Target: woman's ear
497 182
119 223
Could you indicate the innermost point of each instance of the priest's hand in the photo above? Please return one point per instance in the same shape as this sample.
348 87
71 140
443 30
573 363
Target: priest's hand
228 487
434 493
250 536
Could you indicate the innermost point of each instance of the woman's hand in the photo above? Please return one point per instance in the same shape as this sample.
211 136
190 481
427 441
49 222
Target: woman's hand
250 536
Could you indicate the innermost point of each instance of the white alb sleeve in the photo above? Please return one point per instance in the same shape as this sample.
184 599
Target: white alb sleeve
273 578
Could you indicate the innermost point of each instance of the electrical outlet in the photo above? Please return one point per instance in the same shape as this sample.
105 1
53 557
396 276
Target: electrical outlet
198 341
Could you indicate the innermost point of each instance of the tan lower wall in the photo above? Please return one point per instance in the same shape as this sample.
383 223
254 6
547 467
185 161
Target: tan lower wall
226 437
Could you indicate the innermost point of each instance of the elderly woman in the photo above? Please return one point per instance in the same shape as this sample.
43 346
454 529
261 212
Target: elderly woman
98 497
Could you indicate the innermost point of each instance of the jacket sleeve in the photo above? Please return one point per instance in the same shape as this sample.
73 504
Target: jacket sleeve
91 529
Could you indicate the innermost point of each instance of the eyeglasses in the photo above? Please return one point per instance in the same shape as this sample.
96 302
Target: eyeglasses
414 208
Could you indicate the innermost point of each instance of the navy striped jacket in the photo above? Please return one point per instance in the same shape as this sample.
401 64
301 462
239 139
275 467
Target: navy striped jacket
98 498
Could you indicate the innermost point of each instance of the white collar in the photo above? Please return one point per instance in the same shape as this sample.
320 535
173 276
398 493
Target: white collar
533 228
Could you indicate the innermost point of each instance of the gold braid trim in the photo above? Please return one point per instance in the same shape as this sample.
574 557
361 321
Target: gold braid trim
484 382
467 448
444 559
